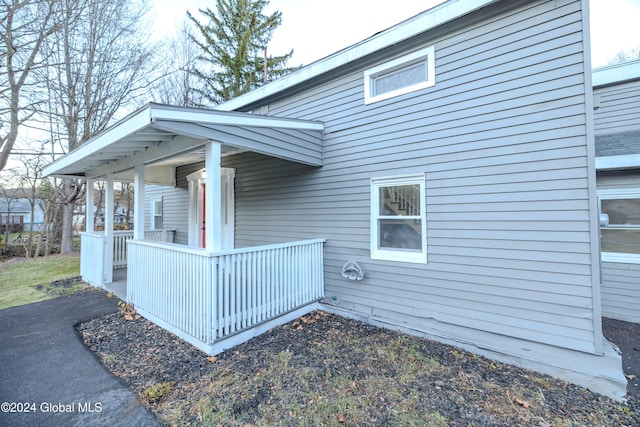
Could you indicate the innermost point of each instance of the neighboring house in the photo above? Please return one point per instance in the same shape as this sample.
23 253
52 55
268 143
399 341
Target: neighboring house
120 216
16 212
617 131
438 178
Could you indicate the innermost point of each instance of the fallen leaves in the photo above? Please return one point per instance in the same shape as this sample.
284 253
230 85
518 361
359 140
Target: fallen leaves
128 312
341 372
309 319
524 403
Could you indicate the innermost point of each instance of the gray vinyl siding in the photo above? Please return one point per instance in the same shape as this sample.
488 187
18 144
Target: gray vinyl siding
502 140
619 109
621 291
175 202
620 287
619 112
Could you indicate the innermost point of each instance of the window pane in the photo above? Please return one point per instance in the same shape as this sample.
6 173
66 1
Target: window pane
408 76
622 212
157 222
401 200
616 240
400 233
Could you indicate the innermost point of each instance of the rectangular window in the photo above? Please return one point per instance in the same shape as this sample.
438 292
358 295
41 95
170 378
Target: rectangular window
156 213
398 219
620 235
402 75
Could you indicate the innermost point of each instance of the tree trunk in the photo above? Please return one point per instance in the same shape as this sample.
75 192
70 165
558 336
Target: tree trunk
50 221
66 243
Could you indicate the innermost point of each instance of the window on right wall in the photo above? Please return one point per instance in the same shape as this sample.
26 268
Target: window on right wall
155 215
398 219
405 74
620 236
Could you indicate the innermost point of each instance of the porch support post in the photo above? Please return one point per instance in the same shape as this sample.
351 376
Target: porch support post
89 223
213 197
108 230
138 203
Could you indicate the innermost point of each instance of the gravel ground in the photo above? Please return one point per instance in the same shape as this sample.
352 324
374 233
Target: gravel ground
329 370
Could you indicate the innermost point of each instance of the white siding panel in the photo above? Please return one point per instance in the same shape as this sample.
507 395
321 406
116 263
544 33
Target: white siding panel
618 180
621 291
620 281
501 138
174 215
175 201
619 109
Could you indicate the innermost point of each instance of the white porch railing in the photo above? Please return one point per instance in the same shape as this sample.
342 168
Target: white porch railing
120 238
213 296
92 247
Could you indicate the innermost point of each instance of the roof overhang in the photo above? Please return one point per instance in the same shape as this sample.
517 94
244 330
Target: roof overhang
629 161
157 133
616 74
618 150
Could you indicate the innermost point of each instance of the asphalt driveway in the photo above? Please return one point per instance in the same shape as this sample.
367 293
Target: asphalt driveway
48 377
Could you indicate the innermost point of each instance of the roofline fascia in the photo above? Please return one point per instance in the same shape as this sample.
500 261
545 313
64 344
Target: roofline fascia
413 26
616 74
628 161
215 117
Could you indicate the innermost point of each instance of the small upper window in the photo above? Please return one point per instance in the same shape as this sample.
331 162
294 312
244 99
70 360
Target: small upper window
402 75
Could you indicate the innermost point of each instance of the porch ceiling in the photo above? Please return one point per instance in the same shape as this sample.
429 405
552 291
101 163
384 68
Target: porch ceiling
170 136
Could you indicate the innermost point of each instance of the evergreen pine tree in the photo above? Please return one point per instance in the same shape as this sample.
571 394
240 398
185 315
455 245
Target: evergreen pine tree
233 43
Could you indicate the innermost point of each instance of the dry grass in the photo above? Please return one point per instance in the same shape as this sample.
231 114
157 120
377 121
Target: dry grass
287 390
325 370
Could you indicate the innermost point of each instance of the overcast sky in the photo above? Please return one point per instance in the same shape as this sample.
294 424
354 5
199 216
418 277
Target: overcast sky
317 28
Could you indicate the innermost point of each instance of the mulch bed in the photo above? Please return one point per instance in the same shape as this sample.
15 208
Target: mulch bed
626 336
464 388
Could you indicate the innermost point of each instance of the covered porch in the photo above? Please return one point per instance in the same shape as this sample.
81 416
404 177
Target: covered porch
207 292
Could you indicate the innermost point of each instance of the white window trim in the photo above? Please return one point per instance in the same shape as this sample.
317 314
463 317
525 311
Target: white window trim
153 214
618 193
428 53
397 254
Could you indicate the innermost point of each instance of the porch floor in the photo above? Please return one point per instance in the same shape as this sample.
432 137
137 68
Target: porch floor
119 284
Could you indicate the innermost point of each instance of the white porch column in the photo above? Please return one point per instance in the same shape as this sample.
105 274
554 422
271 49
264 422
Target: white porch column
108 229
89 223
213 197
138 203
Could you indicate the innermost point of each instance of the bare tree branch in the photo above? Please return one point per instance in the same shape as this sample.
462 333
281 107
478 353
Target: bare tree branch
25 26
101 59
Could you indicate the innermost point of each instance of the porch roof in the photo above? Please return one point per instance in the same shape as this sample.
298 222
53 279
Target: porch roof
163 134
